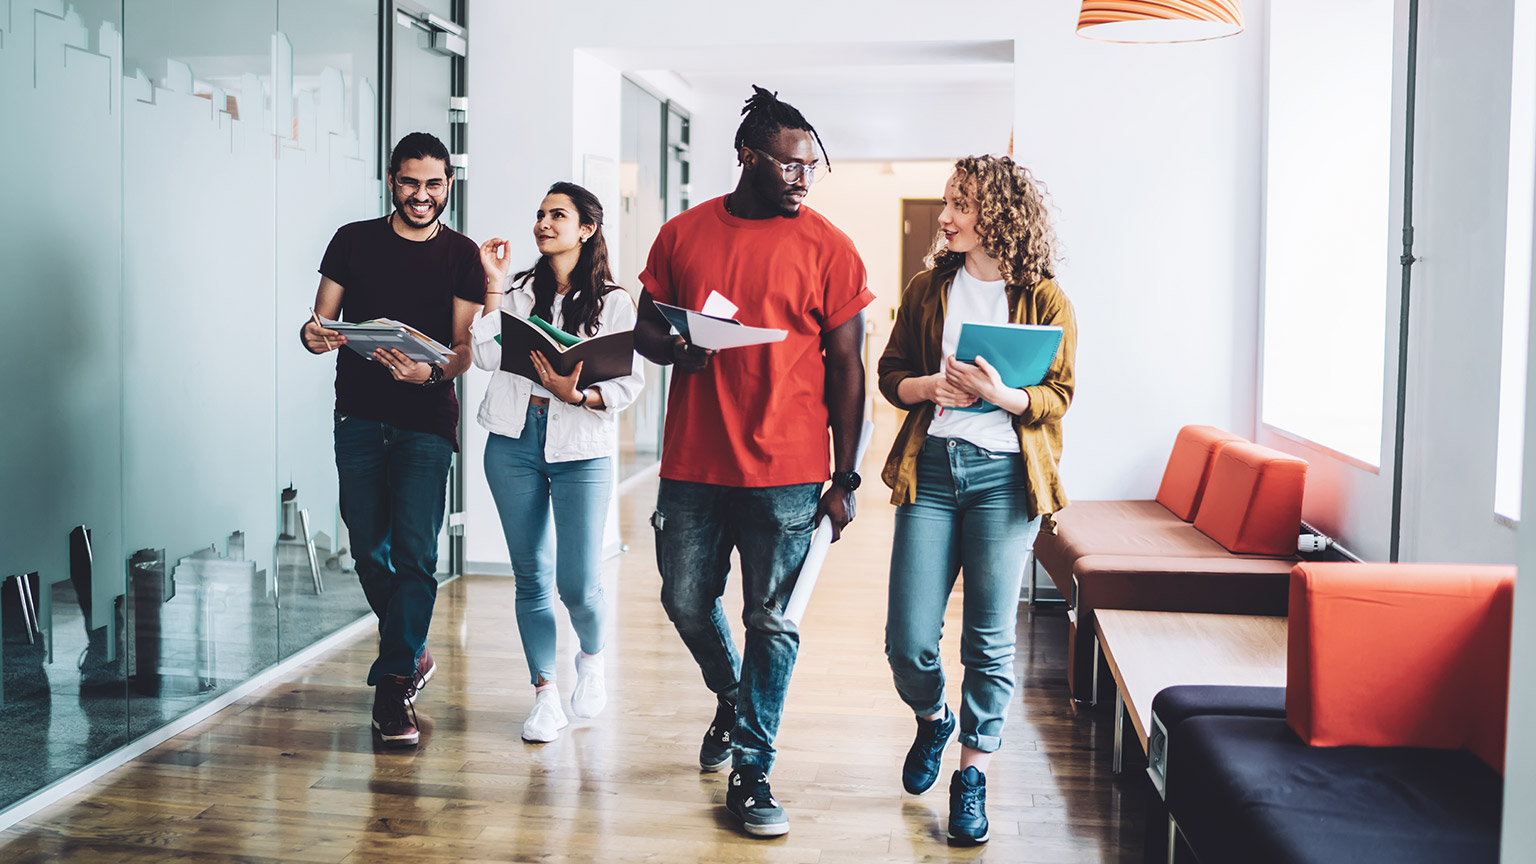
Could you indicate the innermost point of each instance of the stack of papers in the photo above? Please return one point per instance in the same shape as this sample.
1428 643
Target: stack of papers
387 333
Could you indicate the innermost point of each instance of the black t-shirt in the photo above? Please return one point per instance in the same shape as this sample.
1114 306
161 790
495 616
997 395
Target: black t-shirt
387 276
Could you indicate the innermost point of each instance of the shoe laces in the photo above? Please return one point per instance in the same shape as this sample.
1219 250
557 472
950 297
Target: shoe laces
971 799
397 706
757 790
933 731
724 722
590 671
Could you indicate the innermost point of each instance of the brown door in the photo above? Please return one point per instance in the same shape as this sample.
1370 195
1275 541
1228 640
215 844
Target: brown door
919 225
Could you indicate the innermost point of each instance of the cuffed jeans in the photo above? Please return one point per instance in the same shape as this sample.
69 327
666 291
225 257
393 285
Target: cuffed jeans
552 514
394 488
697 525
970 515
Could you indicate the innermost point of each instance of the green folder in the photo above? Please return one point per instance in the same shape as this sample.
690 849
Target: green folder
565 339
1021 353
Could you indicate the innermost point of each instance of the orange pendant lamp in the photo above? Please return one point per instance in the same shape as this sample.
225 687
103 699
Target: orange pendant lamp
1146 21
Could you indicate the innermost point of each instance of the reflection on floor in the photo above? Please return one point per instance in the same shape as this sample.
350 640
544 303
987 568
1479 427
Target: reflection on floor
218 627
293 773
633 463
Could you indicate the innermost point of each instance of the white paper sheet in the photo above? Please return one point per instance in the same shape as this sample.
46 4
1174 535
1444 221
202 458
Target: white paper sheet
718 306
821 541
715 334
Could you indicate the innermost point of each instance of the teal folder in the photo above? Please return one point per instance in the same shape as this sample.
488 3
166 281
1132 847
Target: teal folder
1021 353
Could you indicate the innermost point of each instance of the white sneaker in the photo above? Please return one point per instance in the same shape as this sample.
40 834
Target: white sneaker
546 719
589 697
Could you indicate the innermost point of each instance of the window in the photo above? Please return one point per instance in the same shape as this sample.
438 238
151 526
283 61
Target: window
1327 256
1517 263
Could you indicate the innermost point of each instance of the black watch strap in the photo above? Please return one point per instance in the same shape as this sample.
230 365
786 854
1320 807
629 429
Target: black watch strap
434 376
849 480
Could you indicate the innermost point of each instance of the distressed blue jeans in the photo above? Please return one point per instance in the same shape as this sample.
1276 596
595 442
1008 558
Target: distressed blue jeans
394 490
970 516
697 525
552 514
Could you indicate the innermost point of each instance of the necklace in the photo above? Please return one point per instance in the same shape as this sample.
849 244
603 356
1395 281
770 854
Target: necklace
728 205
436 227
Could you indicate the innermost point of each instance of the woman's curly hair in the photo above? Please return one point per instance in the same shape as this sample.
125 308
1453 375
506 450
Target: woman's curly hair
1012 223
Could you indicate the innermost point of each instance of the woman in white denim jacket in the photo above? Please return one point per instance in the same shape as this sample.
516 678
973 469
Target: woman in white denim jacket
549 457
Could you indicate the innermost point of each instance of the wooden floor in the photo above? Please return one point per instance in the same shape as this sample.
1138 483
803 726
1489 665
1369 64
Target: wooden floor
292 774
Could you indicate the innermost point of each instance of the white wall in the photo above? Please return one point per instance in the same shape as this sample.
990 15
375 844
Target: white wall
864 200
1151 154
1151 157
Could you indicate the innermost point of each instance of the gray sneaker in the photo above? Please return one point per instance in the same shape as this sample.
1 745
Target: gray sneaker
715 752
750 800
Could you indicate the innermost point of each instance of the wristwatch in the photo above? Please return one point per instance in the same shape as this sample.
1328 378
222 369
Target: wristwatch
583 402
849 480
434 376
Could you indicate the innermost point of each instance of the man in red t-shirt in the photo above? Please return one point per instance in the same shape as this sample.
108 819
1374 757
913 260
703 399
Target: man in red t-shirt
744 453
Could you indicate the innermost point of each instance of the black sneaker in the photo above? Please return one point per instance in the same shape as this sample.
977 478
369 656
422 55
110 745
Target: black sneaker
393 717
921 769
749 799
715 752
968 808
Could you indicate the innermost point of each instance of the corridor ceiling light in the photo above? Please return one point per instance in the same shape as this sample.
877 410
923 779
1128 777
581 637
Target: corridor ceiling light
1147 21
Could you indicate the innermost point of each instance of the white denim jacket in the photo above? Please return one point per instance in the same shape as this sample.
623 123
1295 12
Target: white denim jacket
573 433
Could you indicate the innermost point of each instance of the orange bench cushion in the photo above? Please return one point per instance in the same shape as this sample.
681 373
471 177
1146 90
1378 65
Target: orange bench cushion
1252 503
1400 655
1189 468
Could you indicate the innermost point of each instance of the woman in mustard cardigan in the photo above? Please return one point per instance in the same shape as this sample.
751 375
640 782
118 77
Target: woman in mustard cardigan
971 488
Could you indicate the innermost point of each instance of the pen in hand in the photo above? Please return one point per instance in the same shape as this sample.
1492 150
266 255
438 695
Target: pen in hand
315 317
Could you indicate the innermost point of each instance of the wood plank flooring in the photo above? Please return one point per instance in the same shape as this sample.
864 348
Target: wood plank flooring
292 774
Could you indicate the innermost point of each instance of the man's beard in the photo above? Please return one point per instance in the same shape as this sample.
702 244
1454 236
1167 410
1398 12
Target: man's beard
403 202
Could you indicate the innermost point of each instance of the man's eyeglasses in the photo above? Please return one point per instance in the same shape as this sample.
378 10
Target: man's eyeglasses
792 171
435 187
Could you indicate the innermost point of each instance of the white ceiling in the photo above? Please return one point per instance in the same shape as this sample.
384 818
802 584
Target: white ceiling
755 58
870 100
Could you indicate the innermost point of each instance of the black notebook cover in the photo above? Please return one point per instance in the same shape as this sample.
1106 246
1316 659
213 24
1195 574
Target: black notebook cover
605 357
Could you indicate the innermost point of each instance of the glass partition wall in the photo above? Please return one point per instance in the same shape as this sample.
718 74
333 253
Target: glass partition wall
169 522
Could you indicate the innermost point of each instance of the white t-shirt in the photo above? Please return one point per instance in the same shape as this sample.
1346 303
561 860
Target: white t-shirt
971 299
554 318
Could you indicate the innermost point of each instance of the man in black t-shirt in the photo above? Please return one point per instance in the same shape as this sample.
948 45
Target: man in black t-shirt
397 419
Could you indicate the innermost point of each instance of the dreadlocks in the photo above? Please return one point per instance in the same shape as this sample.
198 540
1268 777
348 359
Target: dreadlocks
765 116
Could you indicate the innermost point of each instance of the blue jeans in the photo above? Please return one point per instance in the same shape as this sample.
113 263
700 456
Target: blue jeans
971 515
394 488
564 552
697 525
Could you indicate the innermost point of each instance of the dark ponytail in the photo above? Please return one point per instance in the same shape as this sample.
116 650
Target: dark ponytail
764 115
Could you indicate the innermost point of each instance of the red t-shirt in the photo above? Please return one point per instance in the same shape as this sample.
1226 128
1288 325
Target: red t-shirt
756 416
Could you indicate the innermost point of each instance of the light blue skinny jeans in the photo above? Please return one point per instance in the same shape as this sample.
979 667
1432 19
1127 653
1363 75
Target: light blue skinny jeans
970 516
552 514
